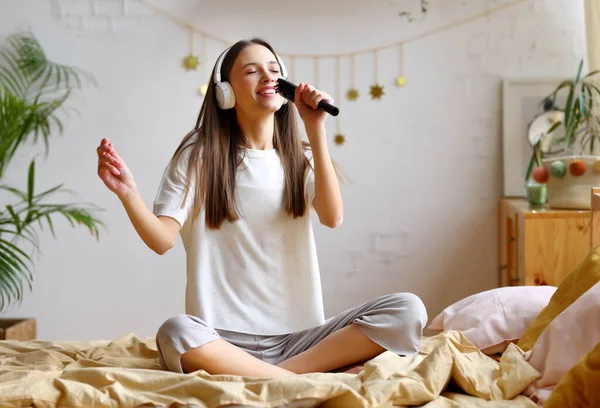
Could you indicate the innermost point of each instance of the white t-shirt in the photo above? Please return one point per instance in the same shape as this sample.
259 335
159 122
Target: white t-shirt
259 274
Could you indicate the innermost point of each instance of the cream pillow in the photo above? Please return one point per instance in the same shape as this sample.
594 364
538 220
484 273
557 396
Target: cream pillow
494 318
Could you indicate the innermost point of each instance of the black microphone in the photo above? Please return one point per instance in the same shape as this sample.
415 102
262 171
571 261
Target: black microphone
287 89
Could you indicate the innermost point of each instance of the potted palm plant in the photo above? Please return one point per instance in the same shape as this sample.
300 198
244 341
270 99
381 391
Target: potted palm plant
572 168
33 93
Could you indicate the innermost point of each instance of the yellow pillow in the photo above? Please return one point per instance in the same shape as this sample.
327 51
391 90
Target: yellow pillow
586 275
579 387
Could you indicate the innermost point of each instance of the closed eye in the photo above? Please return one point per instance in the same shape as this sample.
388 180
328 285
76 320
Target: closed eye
254 72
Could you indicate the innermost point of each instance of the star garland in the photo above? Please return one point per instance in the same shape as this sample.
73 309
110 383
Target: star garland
377 90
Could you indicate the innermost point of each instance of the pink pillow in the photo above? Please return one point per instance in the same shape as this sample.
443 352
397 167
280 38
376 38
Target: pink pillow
493 319
573 333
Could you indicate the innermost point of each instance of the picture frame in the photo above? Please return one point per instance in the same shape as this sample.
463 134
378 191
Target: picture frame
521 102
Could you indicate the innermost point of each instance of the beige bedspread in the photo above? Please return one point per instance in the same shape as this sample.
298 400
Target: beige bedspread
449 372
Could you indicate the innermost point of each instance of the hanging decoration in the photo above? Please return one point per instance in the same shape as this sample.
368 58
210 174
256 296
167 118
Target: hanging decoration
352 93
339 138
401 79
190 62
376 90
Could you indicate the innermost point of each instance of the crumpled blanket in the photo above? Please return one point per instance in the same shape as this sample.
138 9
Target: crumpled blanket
448 372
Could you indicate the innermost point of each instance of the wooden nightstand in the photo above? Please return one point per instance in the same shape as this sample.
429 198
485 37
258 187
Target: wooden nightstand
18 329
540 246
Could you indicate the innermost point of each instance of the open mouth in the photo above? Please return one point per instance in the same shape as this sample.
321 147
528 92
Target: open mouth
267 92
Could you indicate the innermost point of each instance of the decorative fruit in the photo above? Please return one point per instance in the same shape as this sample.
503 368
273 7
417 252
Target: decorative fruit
597 166
540 175
558 169
577 167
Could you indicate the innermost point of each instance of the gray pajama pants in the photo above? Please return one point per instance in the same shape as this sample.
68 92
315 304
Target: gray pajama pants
393 321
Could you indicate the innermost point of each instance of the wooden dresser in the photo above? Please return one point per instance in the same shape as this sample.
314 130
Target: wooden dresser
540 246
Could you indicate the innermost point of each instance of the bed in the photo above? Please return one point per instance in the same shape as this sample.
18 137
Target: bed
448 372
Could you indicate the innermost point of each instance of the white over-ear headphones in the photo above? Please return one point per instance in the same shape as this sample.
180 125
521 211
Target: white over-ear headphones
224 91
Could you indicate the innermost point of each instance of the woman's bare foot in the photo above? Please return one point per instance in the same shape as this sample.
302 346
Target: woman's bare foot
355 370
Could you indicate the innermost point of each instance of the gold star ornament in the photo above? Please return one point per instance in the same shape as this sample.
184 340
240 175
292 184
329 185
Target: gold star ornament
191 62
339 139
401 81
203 89
352 94
376 91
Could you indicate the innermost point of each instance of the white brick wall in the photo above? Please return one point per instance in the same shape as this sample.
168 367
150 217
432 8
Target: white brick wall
100 15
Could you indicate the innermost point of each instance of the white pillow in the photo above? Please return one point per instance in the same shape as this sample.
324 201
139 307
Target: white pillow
494 318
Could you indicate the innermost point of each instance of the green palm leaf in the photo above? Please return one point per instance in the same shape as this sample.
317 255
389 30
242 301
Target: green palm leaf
579 112
33 96
13 271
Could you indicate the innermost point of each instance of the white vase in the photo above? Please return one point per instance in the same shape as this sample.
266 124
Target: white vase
569 191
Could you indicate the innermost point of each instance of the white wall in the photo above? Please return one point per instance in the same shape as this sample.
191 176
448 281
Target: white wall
425 160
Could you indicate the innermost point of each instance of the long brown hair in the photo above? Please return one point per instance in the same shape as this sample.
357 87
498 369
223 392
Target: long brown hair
219 143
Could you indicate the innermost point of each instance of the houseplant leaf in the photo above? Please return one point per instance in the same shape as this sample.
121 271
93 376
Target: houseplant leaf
33 96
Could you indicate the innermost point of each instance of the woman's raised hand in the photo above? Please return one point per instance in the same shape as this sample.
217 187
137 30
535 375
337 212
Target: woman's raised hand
113 171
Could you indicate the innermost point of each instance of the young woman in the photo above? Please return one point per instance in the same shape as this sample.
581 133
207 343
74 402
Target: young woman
238 190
